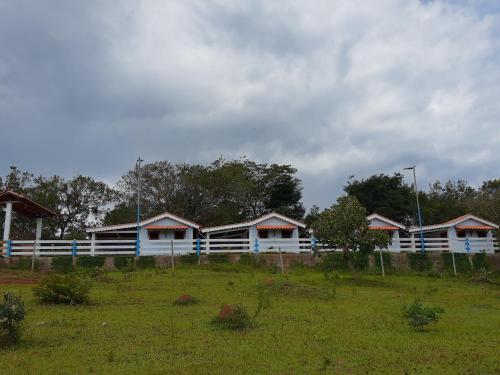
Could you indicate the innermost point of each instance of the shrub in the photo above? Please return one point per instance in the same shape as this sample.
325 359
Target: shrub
461 262
480 261
146 262
359 260
64 289
185 300
23 263
189 259
417 315
90 262
233 317
11 316
62 264
123 262
420 262
218 258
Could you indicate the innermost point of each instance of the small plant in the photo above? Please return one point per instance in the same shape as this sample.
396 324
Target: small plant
145 262
233 317
122 262
218 258
248 259
11 316
185 300
480 261
64 289
484 276
417 315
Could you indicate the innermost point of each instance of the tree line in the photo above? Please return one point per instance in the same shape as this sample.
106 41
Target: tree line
221 192
226 191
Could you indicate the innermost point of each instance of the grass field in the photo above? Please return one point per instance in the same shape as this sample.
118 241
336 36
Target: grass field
314 326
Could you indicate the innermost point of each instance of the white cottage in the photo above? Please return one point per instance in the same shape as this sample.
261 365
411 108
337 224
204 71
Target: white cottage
166 226
268 232
467 233
379 222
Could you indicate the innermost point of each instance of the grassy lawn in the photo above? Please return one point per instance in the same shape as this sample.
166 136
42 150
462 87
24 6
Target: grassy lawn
318 326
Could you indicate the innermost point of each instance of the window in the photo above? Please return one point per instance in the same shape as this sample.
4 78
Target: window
154 235
286 233
461 234
263 233
179 235
481 233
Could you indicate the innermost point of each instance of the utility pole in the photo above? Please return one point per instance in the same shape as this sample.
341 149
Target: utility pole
422 243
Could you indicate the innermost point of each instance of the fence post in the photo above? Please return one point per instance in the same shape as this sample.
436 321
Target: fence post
256 246
172 254
73 249
313 245
137 247
9 248
382 262
453 260
33 257
281 262
92 245
467 248
198 247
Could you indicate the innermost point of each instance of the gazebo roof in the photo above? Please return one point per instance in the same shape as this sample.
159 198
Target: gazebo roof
25 206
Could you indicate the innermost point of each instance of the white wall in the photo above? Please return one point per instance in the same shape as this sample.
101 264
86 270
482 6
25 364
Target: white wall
165 235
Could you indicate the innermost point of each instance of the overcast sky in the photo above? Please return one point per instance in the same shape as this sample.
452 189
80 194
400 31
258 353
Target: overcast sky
335 88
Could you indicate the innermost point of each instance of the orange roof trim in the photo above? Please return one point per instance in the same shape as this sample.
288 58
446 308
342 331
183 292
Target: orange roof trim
170 227
476 227
383 227
282 227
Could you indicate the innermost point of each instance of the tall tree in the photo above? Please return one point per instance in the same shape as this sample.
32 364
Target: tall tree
387 195
344 225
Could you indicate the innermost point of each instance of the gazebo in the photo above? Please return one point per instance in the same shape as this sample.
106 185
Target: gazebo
24 207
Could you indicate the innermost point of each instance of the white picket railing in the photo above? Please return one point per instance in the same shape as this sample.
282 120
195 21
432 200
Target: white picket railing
207 246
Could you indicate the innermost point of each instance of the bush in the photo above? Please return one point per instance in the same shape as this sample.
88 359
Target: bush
185 300
461 262
23 263
359 259
11 316
218 258
420 262
417 315
64 289
90 262
62 264
146 262
233 317
480 261
386 257
123 262
189 259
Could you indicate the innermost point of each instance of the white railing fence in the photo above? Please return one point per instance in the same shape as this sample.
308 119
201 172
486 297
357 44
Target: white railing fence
207 246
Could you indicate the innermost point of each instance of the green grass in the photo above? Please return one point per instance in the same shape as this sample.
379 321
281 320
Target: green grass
355 327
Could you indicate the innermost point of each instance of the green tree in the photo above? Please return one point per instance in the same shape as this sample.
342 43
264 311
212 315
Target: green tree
386 195
344 226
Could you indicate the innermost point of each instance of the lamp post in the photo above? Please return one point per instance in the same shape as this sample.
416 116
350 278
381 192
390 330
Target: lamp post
422 243
138 213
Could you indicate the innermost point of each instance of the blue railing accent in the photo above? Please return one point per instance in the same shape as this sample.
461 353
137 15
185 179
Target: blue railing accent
73 248
467 245
256 246
314 243
137 248
9 248
198 247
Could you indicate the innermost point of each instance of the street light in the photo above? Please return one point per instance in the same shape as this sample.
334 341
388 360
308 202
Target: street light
138 213
422 244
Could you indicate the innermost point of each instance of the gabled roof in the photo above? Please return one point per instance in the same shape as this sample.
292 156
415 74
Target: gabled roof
385 220
250 223
454 222
25 206
143 223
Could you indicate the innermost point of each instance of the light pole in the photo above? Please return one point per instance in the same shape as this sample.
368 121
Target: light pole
422 243
138 213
